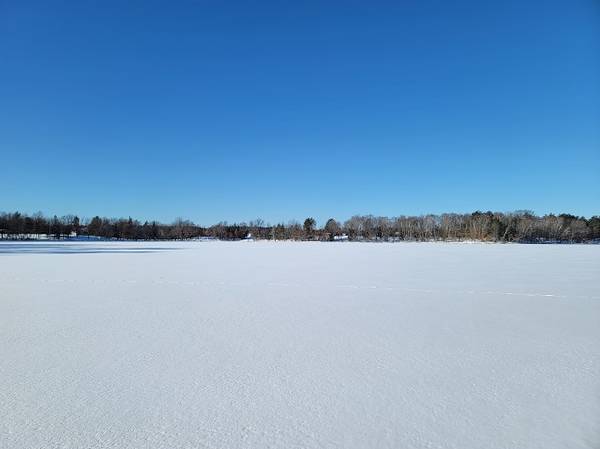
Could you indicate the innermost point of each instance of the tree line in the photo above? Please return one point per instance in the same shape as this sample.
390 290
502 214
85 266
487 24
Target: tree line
519 226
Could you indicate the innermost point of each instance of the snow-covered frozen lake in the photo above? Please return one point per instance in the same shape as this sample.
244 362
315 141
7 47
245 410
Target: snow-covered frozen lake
299 345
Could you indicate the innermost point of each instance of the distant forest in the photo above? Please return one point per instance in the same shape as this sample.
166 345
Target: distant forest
519 226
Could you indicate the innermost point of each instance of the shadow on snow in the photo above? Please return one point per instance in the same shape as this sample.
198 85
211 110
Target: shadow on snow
60 248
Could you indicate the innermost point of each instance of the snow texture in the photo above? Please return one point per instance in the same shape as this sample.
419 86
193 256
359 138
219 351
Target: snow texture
299 345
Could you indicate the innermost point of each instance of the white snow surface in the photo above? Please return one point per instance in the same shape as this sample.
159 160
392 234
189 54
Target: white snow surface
299 345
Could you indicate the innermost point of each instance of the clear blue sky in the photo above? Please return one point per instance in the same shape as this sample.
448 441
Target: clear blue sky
235 110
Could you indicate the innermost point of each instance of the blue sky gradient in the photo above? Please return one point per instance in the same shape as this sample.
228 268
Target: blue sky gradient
281 110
